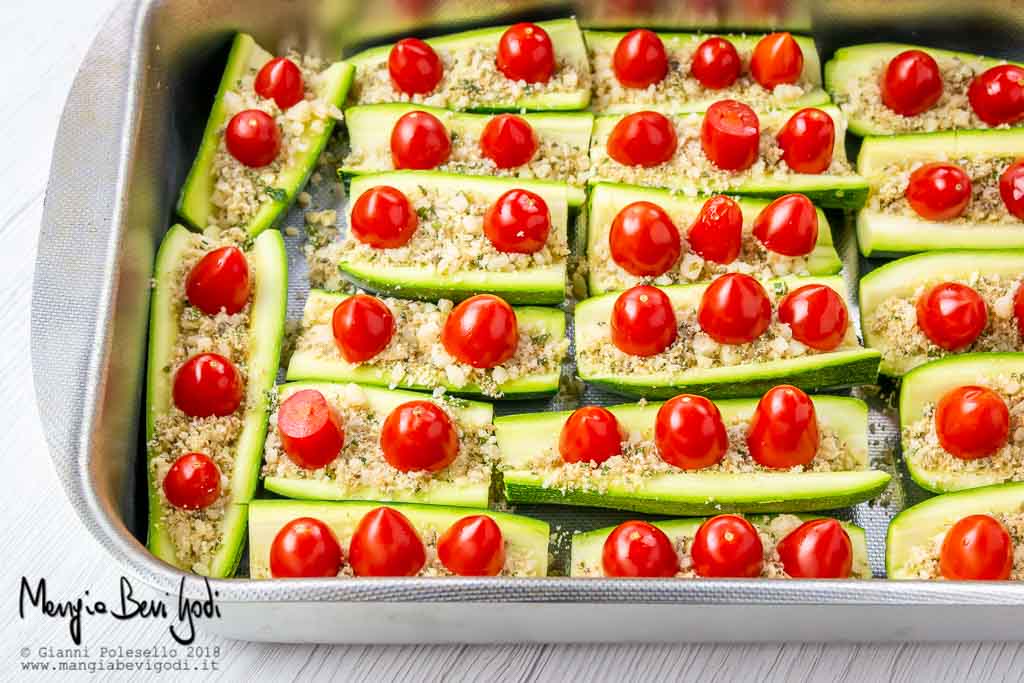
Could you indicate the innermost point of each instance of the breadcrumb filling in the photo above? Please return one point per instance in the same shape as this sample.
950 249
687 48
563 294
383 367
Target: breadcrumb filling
924 558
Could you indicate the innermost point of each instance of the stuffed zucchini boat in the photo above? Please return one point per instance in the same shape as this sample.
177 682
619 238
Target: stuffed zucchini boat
216 327
681 240
540 66
297 539
543 147
243 181
948 95
967 535
480 347
922 307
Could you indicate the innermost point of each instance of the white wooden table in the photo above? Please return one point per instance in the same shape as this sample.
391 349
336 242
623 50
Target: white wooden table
44 40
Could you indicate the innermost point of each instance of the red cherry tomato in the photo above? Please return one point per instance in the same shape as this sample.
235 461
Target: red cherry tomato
643 240
591 434
192 482
783 431
419 436
481 331
972 422
734 309
519 222
1011 188
727 546
977 548
939 192
643 321
280 80
730 135
304 547
253 138
473 546
508 140
638 549
645 138
818 549
419 141
912 83
525 53
817 315
689 432
385 543
207 384
716 64
640 59
1018 309
788 226
363 326
997 95
717 233
808 140
951 315
777 60
220 281
414 67
382 217
311 432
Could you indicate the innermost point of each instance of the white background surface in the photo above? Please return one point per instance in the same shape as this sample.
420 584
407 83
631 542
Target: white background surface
43 42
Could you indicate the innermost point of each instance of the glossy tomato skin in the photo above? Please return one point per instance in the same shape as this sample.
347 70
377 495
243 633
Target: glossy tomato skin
727 546
383 218
508 140
912 83
518 222
939 191
643 240
645 138
207 384
280 80
414 67
525 53
639 59
638 549
312 433
363 326
591 434
1018 309
734 309
689 432
192 482
1011 188
305 548
717 233
997 95
951 315
777 60
418 436
481 331
817 315
788 226
472 546
977 548
219 281
730 135
808 140
972 422
817 549
643 321
715 63
783 431
419 141
253 138
385 543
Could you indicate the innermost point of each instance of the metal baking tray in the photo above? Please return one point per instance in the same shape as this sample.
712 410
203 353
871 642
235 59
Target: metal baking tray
128 132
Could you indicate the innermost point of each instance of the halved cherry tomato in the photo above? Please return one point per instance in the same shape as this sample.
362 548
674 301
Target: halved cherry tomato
639 59
645 138
311 432
730 135
734 309
715 63
192 482
518 222
253 138
1011 188
912 83
938 191
783 431
717 233
643 321
777 60
363 326
280 80
972 422
727 546
644 240
481 331
639 550
977 548
817 315
472 546
997 95
818 549
419 436
1018 309
525 53
220 281
689 432
382 217
414 67
207 384
591 434
508 140
951 315
419 141
808 140
304 547
385 543
788 226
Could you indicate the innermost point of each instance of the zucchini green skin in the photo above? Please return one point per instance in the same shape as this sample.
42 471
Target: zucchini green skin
918 524
194 204
266 517
266 333
432 492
